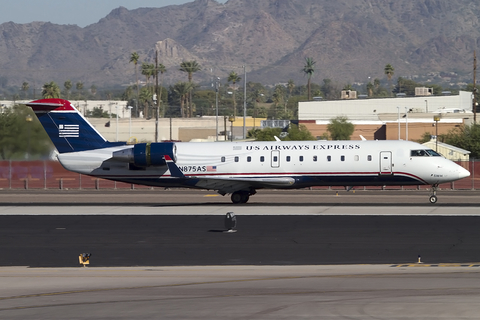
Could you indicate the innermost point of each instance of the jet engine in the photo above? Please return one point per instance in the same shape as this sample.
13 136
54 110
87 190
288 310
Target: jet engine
147 154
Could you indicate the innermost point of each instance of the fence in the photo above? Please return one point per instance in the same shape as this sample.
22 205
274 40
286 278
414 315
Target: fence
51 175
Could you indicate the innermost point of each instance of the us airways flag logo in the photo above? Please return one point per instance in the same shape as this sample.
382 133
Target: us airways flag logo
211 168
68 130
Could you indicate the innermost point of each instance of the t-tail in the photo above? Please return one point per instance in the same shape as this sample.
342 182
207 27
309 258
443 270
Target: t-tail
67 128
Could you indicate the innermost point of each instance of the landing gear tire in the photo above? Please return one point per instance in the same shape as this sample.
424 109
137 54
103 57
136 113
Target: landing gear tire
433 197
240 197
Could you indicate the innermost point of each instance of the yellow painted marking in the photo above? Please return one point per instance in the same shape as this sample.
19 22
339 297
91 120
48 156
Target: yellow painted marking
211 195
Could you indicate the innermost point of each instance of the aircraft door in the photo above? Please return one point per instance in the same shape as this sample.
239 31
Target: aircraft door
385 162
275 159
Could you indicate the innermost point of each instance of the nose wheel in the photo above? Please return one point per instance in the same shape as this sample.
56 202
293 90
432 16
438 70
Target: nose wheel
433 197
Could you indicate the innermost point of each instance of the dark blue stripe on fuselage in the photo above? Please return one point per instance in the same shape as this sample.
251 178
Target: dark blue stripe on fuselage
300 181
70 132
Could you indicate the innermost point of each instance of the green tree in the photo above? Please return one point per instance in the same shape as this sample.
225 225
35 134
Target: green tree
340 129
190 67
50 90
134 57
308 70
233 77
68 86
79 87
294 133
389 71
466 137
19 137
298 133
98 112
162 69
93 90
25 87
183 89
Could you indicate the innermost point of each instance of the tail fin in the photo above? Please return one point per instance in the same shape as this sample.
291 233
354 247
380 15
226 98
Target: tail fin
67 128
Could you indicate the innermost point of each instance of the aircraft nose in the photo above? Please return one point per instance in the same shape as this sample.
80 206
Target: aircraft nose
463 173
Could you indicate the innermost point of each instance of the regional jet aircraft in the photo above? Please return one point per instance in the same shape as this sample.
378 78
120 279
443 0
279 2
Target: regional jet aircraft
240 168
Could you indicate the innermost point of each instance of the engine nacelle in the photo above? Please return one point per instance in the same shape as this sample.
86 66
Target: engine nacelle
148 154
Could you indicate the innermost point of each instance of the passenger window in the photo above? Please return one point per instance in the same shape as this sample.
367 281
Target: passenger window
236 159
329 158
288 158
342 158
223 159
262 159
300 158
356 158
275 158
369 158
249 159
315 158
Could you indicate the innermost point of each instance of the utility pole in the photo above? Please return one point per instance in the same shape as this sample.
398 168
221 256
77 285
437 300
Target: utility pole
474 87
157 95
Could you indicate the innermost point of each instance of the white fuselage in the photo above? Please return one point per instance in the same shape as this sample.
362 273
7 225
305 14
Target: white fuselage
305 163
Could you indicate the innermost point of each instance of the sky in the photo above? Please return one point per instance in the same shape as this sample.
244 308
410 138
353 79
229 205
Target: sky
79 12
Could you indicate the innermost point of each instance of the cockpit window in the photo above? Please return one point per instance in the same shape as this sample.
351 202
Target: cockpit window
433 153
418 153
424 153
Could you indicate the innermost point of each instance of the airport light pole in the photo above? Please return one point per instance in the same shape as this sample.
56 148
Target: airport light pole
116 126
130 123
216 108
232 120
436 119
244 101
29 119
406 123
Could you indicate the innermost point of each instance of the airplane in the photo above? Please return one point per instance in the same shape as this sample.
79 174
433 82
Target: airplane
241 168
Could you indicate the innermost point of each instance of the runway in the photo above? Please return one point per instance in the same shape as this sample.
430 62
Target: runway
241 292
302 255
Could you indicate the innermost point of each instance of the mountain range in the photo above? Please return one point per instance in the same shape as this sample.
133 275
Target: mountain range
350 40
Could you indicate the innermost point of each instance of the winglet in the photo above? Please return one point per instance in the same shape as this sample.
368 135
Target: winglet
174 170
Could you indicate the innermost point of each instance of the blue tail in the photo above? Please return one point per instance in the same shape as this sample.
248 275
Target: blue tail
67 128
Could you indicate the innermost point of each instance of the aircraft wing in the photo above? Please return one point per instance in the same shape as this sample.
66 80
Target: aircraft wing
226 185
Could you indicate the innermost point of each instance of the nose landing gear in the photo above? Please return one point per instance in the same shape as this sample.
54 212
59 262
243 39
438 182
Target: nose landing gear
433 197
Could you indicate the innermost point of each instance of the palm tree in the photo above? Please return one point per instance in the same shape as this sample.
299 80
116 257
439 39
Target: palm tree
68 86
162 69
79 87
234 78
389 71
25 87
290 86
309 69
50 90
134 57
190 67
148 70
145 98
183 89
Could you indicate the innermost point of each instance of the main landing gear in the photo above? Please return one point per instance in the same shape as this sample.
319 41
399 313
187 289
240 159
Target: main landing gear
433 197
240 197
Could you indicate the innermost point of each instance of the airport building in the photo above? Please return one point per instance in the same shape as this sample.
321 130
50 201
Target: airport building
401 117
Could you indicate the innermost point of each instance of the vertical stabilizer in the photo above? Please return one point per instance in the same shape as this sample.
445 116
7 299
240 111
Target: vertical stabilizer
66 127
